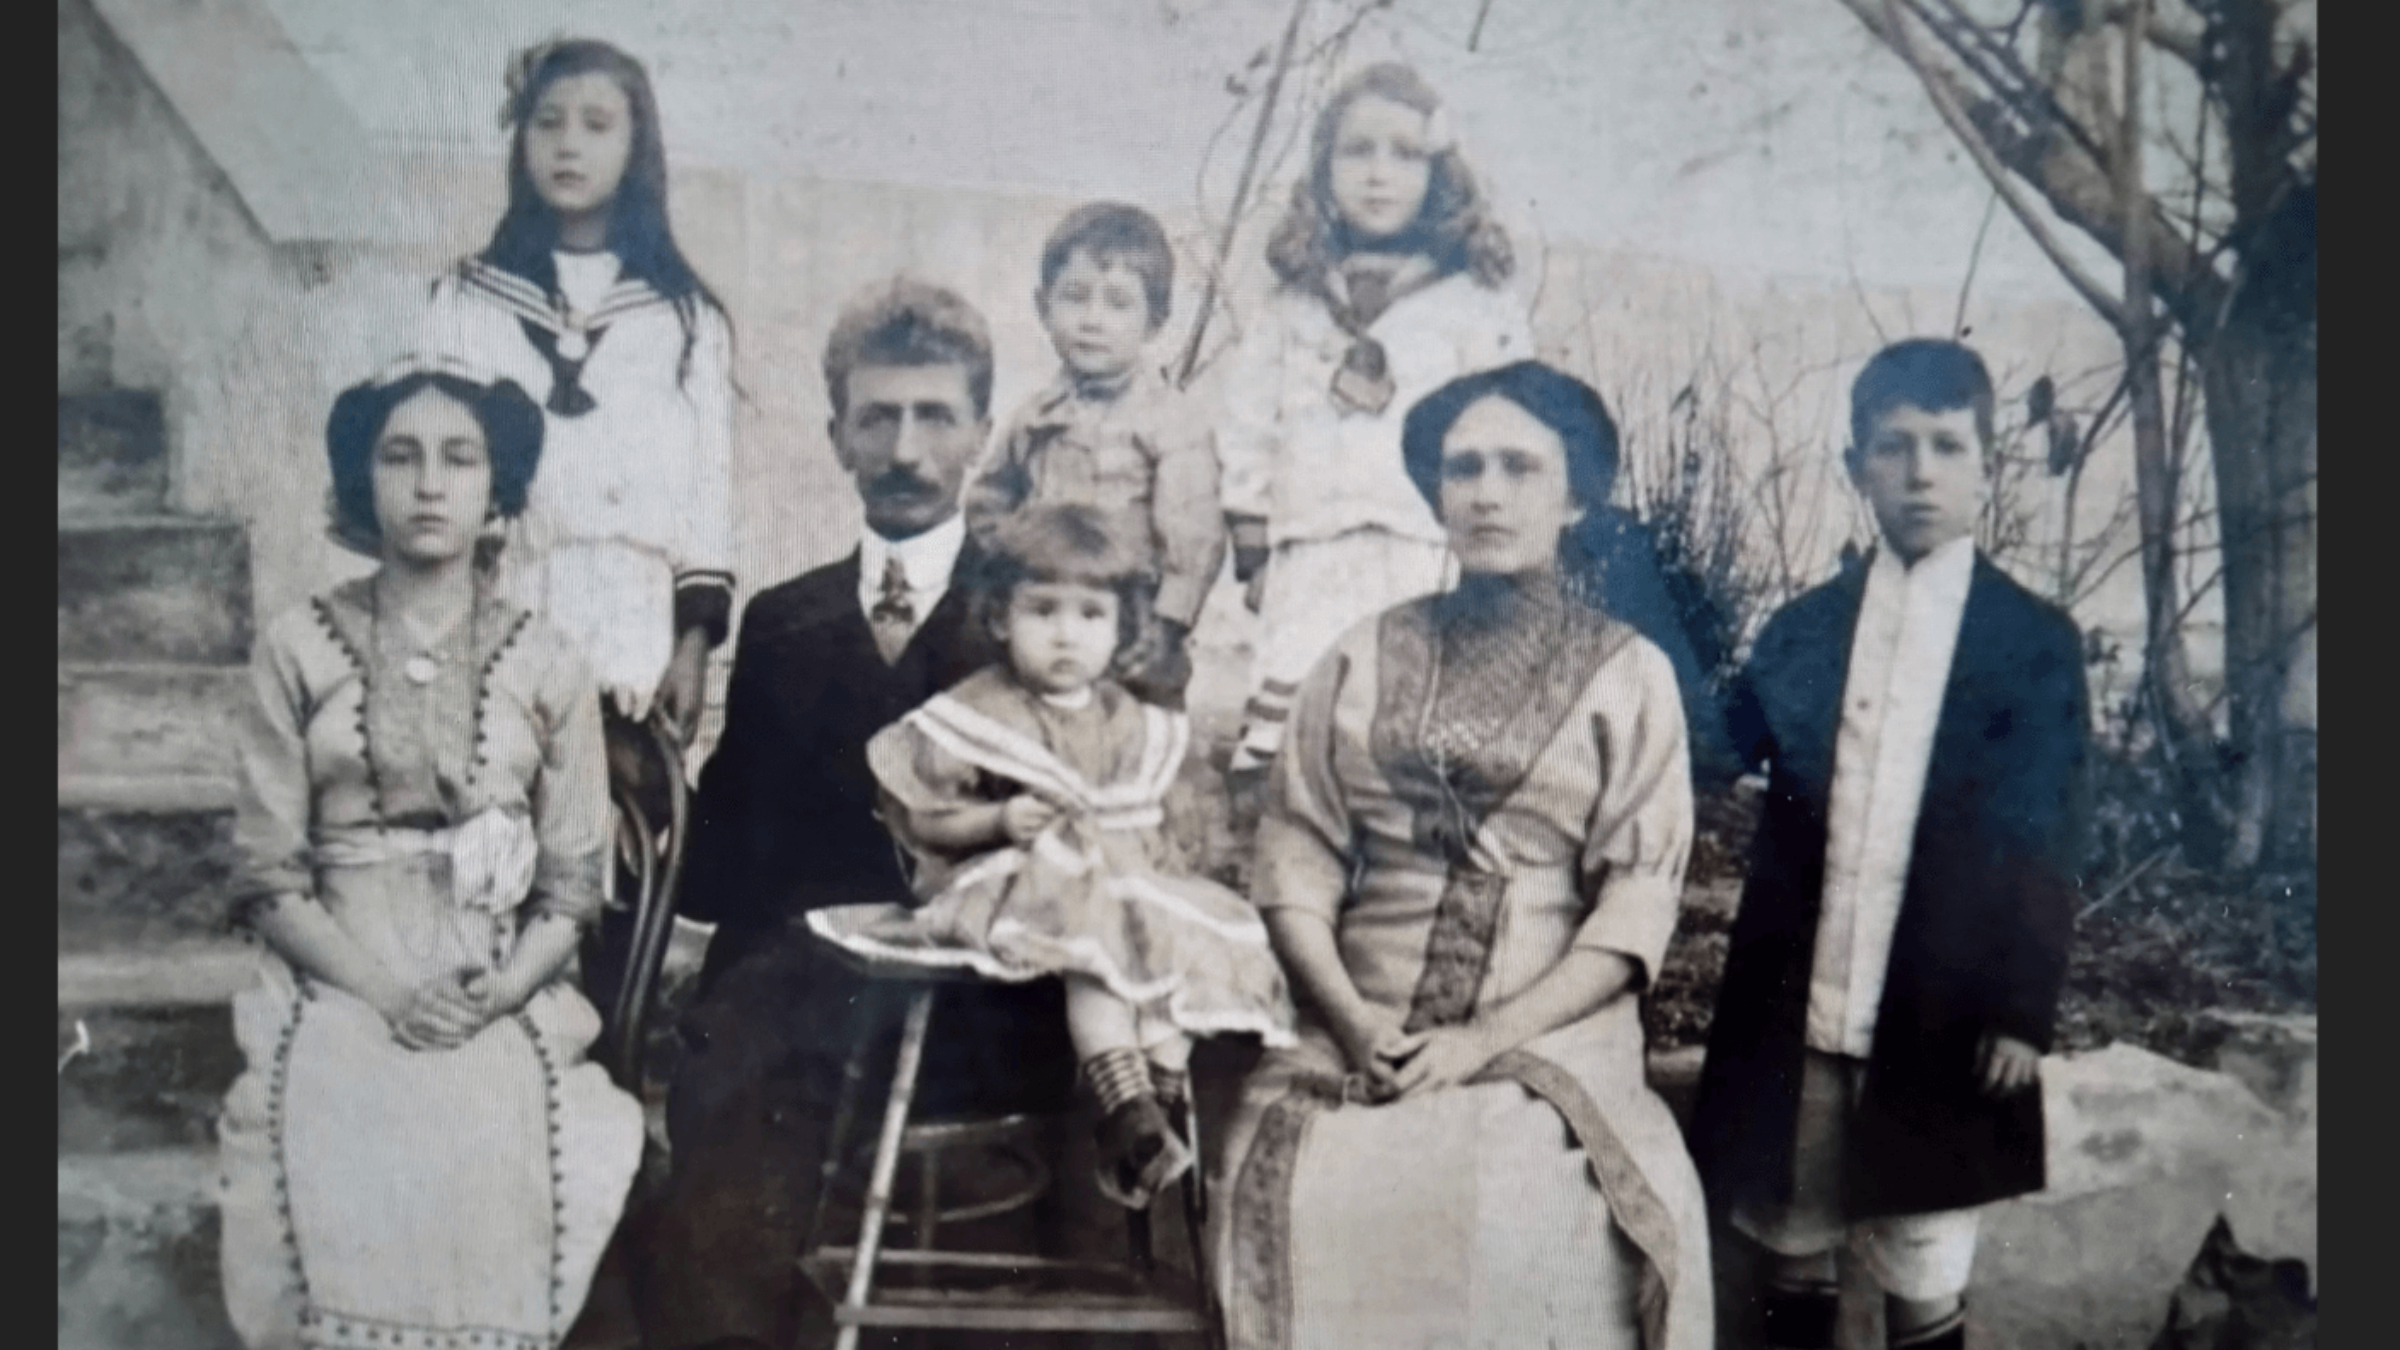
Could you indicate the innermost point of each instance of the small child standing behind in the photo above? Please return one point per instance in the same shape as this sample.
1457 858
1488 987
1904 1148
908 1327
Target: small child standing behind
1390 273
1028 797
1110 433
1872 1074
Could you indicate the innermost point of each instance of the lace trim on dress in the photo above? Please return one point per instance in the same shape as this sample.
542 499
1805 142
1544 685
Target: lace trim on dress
1464 708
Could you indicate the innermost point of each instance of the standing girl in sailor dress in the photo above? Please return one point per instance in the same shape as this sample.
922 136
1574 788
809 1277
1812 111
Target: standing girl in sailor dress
583 297
1390 272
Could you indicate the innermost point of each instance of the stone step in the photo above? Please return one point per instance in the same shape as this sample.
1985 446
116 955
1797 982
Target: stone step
112 453
152 1078
145 721
153 588
132 880
138 1252
190 973
146 794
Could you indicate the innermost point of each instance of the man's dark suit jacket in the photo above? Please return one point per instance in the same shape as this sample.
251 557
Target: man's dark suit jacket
1981 941
784 822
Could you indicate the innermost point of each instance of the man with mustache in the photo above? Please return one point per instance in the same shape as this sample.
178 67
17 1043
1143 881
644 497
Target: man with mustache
784 823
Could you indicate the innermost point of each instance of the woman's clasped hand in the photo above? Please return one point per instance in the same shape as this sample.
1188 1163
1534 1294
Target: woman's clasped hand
445 1012
1389 1062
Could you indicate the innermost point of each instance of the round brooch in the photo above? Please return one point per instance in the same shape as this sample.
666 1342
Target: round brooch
420 669
572 344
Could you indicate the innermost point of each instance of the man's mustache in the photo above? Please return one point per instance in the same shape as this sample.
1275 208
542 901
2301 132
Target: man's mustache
901 483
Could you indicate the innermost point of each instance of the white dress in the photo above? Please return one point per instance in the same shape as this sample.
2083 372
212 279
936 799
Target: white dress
375 1196
630 517
1351 534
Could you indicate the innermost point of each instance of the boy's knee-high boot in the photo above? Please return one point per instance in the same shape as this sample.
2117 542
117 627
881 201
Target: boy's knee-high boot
1799 1316
1950 1333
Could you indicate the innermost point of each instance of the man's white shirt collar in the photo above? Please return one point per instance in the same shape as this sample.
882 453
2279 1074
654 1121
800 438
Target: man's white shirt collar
926 559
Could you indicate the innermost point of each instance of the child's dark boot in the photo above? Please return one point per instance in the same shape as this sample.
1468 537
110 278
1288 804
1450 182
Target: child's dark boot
1140 1151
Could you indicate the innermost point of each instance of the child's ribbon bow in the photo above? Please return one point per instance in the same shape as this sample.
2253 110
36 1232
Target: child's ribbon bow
492 860
519 76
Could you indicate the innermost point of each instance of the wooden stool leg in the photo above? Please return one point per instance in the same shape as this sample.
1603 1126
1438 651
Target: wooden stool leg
887 1161
929 1207
845 1117
1195 1219
1137 1237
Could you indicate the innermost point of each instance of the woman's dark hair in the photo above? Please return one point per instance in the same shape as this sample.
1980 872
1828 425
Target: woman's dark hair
512 435
1554 398
1064 543
638 232
1454 227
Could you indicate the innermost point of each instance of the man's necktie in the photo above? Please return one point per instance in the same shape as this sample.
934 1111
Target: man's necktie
893 618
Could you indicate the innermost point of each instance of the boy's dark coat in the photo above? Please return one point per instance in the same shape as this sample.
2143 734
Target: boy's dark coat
1981 940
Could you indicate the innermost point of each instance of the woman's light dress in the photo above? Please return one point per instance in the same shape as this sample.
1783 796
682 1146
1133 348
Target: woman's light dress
1462 831
376 1196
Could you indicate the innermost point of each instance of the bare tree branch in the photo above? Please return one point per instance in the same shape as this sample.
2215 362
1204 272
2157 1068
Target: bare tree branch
1947 99
1241 190
1966 287
2003 142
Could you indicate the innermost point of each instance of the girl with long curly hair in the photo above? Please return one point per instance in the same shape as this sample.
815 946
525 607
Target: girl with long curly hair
583 297
1390 281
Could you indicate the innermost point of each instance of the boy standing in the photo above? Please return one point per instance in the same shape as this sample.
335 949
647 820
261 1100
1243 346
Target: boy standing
1872 1068
1110 433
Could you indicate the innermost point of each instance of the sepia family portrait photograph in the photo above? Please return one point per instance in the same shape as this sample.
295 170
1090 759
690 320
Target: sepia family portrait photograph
1232 674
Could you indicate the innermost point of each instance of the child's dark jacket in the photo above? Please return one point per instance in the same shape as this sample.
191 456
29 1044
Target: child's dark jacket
1981 941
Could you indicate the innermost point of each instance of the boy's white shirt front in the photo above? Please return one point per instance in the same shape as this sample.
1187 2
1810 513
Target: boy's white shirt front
1900 654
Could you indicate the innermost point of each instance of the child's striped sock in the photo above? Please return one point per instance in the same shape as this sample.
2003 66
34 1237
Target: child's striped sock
1117 1076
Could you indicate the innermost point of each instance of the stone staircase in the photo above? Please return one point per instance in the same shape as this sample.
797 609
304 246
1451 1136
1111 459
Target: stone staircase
154 629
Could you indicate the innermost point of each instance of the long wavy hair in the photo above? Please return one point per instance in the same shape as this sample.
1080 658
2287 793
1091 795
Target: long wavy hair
638 232
1454 226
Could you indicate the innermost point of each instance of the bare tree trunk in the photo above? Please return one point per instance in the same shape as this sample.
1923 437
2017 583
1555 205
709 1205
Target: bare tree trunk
2254 338
2261 390
2259 372
2182 727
